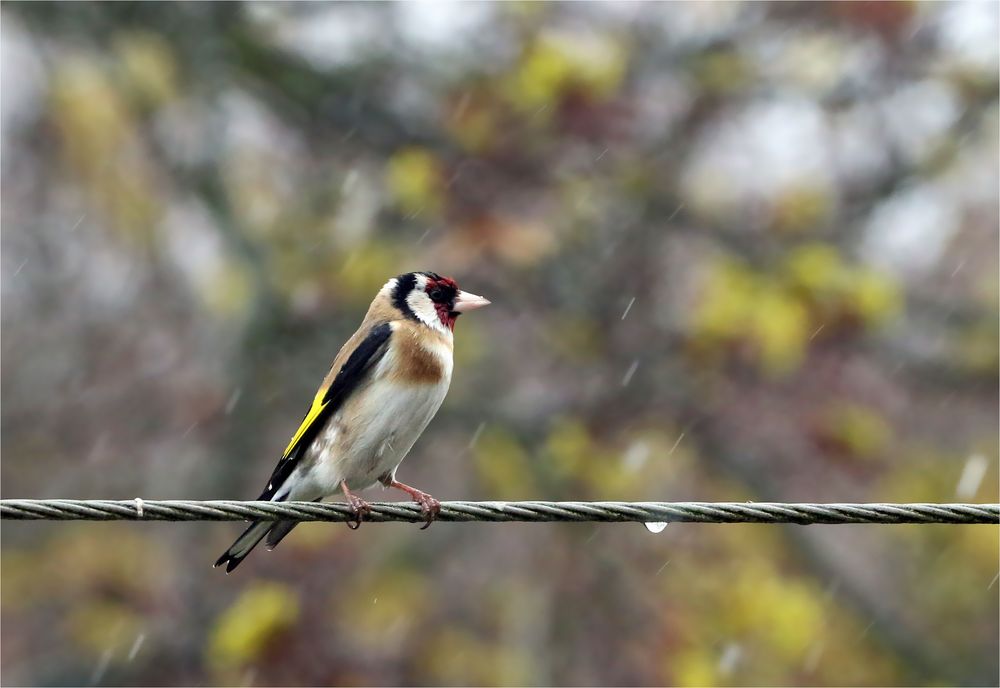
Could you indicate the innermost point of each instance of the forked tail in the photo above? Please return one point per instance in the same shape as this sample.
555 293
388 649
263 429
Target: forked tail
244 544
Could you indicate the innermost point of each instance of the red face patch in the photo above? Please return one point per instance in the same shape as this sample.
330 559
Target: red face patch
442 292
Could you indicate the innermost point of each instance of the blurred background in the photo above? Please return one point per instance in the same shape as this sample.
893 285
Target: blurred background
735 252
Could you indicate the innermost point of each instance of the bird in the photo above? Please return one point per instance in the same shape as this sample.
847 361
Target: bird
384 387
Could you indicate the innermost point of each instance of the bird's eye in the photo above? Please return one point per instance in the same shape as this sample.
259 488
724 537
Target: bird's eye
435 294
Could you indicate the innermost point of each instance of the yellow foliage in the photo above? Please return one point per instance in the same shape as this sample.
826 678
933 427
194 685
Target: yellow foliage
780 327
572 454
816 268
777 312
385 608
472 345
229 292
919 482
452 657
553 66
821 273
365 271
575 338
99 141
800 208
149 66
79 559
779 622
91 117
21 582
244 630
568 448
978 350
256 193
503 465
874 296
977 548
740 305
474 125
727 298
859 429
98 625
311 537
721 71
415 178
784 613
815 61
523 243
694 666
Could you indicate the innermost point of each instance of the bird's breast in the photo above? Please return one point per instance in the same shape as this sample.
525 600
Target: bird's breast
418 357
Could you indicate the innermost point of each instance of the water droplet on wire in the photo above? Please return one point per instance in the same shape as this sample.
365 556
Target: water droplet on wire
655 526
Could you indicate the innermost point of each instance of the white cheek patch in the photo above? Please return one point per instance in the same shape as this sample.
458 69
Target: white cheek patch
422 306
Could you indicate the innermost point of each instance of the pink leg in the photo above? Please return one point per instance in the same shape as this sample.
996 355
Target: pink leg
428 505
359 506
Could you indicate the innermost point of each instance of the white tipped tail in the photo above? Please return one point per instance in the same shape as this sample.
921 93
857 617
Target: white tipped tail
244 544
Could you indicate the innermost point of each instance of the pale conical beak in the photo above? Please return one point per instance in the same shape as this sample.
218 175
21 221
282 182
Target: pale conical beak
465 301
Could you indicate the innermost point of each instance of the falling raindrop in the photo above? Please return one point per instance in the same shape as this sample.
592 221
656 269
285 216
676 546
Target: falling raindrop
349 181
655 527
676 444
972 475
812 659
636 456
233 400
463 103
136 644
476 434
730 658
630 372
628 307
102 666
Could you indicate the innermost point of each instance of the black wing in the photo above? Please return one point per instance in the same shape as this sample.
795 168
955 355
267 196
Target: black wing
357 367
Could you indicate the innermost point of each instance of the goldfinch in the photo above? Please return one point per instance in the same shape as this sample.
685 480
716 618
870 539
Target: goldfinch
384 387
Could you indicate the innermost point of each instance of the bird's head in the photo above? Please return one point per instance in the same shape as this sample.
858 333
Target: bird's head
431 299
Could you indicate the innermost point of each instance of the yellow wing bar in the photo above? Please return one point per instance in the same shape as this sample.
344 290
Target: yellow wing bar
317 408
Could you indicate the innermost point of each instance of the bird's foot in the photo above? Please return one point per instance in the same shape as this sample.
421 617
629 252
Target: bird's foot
359 507
430 508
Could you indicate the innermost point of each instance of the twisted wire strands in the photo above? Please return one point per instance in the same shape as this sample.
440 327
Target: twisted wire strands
498 512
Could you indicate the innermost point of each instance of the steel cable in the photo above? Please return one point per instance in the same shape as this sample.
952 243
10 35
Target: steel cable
498 512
